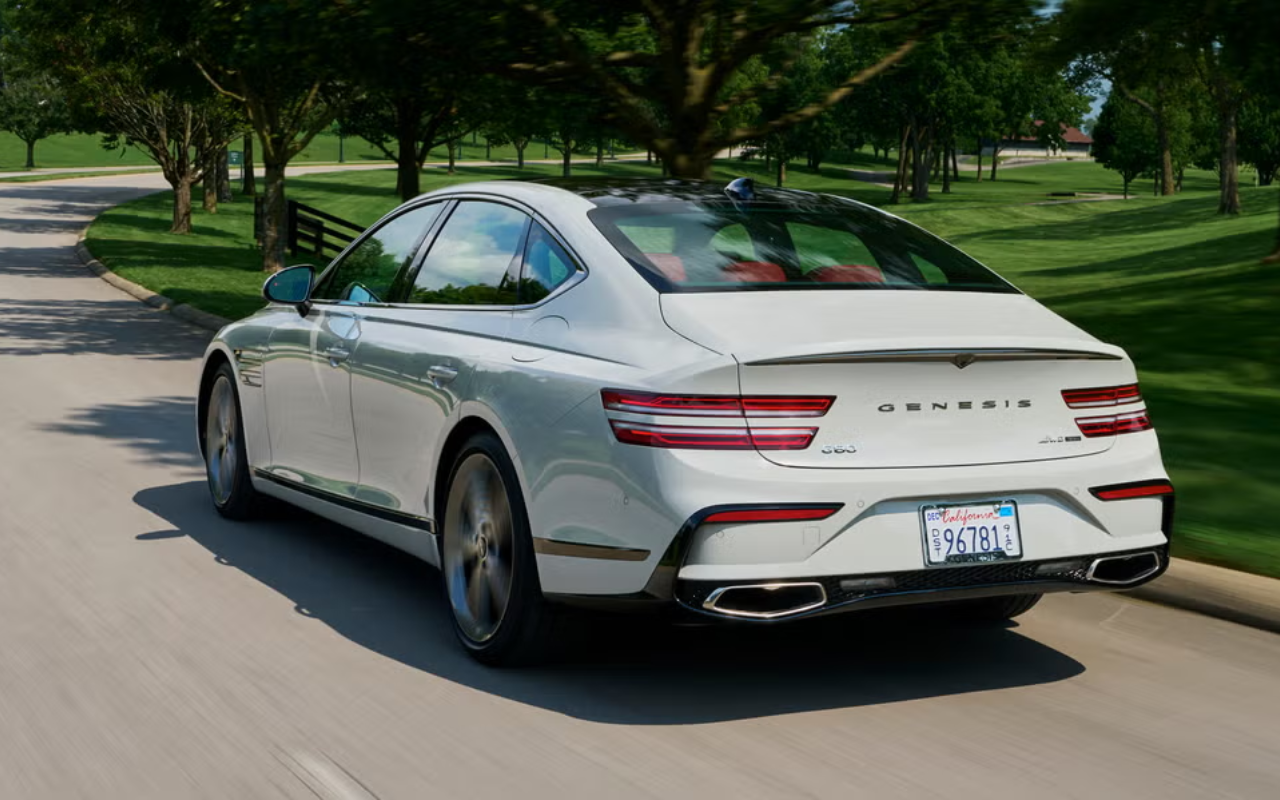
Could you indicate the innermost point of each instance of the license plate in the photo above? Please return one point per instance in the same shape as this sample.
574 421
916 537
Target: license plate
971 533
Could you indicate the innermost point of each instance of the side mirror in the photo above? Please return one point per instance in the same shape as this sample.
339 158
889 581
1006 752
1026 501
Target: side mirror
292 287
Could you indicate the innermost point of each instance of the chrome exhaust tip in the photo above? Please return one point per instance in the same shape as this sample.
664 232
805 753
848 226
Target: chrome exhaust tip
766 600
1124 569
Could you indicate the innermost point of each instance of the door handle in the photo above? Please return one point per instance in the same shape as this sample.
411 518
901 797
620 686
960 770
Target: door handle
440 375
337 354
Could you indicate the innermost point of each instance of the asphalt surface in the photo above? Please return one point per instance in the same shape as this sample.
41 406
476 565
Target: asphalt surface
149 649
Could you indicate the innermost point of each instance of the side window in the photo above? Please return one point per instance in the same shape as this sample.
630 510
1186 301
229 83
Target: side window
546 266
474 259
367 273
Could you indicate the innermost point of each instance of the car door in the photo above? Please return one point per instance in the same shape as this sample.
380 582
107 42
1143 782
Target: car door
307 373
421 358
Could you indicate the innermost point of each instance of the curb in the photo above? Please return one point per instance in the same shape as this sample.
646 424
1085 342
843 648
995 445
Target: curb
1239 597
183 311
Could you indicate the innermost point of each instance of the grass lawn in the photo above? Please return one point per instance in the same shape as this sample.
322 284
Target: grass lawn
85 150
1165 278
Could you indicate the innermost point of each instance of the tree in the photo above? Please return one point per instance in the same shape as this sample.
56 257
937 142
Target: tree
33 108
423 81
1125 140
121 78
283 62
678 58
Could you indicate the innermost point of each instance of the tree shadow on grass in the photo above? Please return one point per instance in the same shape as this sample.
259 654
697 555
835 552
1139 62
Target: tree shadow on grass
632 671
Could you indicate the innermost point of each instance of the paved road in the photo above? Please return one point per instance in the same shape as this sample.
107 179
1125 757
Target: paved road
150 650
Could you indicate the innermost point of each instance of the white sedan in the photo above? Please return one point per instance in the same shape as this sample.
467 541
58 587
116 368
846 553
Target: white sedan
752 404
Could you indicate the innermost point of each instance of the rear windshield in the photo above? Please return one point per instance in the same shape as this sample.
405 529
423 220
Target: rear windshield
685 246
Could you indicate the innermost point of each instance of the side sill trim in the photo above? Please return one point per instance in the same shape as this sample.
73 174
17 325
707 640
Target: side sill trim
368 509
554 547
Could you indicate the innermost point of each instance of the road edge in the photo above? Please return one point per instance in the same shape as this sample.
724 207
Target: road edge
1239 597
183 311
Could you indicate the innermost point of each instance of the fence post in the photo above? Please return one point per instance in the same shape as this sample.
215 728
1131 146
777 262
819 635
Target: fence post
292 226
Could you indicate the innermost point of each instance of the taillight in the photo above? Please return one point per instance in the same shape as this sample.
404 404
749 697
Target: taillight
1134 422
773 514
714 405
686 437
1103 396
1125 491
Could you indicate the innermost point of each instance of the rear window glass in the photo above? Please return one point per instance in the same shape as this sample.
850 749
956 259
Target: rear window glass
699 246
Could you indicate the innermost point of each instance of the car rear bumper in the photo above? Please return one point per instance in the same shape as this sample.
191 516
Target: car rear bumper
802 598
659 533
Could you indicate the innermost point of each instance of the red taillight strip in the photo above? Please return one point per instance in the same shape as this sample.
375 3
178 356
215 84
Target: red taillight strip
685 405
1125 491
714 405
1102 396
1110 426
773 514
690 438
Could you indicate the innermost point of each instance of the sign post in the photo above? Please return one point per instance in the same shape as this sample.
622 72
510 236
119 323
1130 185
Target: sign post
235 158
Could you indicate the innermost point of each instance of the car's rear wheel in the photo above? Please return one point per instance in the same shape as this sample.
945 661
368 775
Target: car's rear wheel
490 573
225 458
996 609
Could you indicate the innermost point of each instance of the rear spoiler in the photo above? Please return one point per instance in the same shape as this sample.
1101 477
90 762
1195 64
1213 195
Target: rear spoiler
961 357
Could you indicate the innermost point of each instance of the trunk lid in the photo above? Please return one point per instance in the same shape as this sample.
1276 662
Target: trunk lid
920 379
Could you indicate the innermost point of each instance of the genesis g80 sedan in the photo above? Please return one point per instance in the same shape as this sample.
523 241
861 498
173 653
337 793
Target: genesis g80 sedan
743 403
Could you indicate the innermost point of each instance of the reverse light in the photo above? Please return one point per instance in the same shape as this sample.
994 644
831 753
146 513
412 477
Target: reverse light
1126 491
715 405
1102 396
684 437
776 514
1134 422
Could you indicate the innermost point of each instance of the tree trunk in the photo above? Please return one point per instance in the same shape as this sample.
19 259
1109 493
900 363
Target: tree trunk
566 163
1266 178
1126 188
31 154
955 163
1229 179
274 218
900 177
648 157
249 187
693 166
408 176
947 155
181 206
224 177
209 182
979 161
453 155
782 171
922 157
520 154
995 160
599 154
488 149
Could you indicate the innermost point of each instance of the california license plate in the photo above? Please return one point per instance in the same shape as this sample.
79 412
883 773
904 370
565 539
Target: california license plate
973 533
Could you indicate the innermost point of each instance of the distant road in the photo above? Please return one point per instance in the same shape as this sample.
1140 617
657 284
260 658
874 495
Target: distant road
148 649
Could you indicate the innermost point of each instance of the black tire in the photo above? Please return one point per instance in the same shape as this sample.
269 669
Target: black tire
996 609
230 487
472 552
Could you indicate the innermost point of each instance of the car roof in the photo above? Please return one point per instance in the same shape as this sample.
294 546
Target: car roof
605 191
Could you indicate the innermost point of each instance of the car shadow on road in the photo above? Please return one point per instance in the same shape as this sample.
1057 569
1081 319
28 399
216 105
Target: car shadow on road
623 670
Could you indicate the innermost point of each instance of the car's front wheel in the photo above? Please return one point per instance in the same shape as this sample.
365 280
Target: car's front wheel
490 573
226 461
